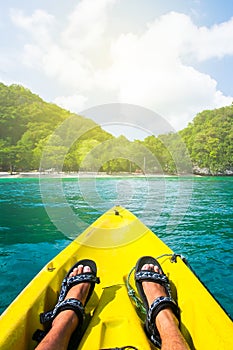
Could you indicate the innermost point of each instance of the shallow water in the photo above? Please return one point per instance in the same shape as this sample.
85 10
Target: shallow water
191 215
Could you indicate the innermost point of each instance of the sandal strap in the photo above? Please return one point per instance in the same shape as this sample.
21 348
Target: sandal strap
158 305
81 278
68 304
68 283
151 276
63 291
145 275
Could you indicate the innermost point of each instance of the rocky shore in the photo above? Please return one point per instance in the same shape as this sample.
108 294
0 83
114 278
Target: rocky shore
207 172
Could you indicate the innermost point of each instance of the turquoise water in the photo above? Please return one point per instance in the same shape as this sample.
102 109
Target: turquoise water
192 215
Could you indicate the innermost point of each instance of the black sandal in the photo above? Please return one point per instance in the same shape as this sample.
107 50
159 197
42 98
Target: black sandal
71 303
159 303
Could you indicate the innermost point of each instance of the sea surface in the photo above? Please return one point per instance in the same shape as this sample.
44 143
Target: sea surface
193 215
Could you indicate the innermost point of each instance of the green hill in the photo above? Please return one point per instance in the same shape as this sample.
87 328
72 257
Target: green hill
27 122
209 139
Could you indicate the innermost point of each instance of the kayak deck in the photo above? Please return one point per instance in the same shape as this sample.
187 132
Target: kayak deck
115 242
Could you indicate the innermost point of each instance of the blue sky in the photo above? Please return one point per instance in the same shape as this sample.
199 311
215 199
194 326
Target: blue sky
172 57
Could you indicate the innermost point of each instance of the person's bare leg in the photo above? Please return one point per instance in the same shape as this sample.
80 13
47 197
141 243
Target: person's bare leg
166 322
66 321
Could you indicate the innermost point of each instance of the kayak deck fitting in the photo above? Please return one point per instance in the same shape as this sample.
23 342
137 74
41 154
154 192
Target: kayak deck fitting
115 242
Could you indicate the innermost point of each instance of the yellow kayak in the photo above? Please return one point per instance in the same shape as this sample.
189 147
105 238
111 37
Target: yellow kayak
115 242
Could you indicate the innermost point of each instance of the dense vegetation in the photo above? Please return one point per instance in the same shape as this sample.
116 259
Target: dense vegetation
38 135
209 139
26 124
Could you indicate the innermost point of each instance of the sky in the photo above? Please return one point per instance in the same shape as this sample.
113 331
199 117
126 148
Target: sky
171 57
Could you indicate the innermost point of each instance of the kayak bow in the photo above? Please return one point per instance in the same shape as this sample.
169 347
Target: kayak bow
115 242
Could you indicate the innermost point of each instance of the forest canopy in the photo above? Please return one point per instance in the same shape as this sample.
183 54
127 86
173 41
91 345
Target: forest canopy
36 135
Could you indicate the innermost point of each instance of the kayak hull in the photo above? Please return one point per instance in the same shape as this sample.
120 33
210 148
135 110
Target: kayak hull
115 242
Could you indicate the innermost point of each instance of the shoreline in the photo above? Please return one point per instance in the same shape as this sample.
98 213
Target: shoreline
5 175
49 175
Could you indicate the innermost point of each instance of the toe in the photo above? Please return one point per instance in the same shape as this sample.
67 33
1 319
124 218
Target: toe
86 269
149 267
146 267
79 269
76 271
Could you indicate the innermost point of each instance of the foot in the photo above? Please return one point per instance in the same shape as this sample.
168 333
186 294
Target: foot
66 321
154 290
151 289
165 322
79 292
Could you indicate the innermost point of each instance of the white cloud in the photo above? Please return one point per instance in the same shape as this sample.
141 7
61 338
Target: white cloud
216 41
72 103
146 69
38 24
32 56
86 25
39 17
